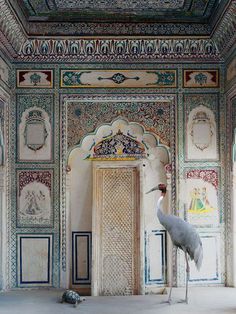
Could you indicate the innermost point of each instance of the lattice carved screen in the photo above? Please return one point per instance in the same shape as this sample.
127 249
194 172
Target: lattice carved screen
119 230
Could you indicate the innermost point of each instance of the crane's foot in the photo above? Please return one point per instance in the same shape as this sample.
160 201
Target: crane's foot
183 301
170 302
167 302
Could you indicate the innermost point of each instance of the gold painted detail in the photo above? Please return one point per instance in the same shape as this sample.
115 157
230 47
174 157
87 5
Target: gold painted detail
118 147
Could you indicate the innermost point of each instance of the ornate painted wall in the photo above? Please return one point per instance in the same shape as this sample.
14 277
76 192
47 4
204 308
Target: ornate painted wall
56 106
5 93
230 87
61 94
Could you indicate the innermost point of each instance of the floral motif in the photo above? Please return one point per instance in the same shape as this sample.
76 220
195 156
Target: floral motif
119 146
200 78
27 176
164 78
118 78
35 79
210 176
72 78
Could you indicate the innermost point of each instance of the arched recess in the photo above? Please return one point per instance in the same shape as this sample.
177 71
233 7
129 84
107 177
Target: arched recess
105 150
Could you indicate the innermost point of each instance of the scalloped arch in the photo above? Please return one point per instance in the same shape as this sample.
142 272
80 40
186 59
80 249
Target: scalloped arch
133 129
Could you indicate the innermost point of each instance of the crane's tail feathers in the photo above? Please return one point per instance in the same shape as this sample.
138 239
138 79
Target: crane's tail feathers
198 256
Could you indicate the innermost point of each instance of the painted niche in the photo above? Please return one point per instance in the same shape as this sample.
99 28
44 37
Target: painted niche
34 198
35 135
201 140
201 198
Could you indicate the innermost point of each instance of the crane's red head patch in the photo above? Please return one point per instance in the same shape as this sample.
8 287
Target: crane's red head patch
162 187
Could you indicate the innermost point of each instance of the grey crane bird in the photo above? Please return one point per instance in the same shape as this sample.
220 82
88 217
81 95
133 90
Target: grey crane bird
183 236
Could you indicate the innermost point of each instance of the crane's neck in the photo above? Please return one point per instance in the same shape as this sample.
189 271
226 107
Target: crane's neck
161 216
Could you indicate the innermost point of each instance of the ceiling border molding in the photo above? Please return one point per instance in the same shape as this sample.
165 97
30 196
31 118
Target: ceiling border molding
117 49
224 35
109 48
11 28
117 29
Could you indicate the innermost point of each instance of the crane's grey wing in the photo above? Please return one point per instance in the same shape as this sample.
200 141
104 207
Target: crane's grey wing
186 237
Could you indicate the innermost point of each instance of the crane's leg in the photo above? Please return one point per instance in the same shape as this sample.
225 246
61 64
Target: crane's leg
171 279
171 285
187 276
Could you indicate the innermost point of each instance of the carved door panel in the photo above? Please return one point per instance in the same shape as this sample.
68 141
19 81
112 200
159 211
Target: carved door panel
116 229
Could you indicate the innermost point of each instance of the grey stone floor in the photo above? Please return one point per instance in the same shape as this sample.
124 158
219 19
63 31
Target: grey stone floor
201 300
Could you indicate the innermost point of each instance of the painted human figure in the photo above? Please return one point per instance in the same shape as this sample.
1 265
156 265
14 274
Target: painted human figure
196 202
205 199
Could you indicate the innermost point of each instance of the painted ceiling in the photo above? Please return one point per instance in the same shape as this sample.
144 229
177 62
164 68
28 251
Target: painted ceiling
120 10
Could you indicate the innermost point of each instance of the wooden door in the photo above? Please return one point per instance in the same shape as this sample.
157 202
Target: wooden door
116 231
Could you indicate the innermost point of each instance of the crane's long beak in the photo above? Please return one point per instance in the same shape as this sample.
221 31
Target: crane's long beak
153 189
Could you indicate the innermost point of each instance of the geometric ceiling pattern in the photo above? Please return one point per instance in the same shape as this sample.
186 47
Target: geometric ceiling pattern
119 10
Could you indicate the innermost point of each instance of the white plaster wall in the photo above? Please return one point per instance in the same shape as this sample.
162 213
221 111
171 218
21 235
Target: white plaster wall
154 173
81 192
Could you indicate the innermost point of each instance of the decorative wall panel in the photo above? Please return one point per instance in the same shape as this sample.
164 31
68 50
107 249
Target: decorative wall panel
201 78
34 259
210 270
118 78
35 126
35 78
155 262
201 196
81 257
35 198
201 121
